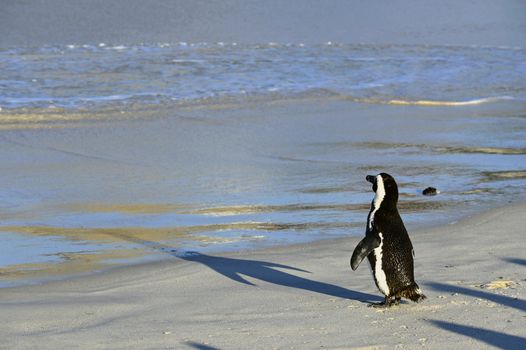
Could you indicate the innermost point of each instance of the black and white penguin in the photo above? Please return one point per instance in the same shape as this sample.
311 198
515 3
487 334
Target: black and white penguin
387 245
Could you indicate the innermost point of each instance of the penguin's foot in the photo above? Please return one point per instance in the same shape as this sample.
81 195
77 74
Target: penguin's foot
381 305
388 302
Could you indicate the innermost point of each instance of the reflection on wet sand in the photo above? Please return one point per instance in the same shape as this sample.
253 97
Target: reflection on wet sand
503 175
119 243
163 208
123 208
406 206
143 241
140 234
69 264
438 148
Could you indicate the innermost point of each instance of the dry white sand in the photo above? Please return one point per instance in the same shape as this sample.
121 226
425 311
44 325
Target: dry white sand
301 297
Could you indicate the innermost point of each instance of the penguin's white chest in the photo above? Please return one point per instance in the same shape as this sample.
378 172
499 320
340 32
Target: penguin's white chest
379 274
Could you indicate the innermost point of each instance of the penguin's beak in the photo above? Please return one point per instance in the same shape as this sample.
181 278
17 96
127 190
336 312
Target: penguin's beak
371 179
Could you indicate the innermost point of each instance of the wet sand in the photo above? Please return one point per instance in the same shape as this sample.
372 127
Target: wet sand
300 296
86 196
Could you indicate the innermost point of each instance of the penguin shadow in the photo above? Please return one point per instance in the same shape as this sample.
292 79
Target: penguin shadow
199 346
505 300
517 261
497 339
265 271
235 269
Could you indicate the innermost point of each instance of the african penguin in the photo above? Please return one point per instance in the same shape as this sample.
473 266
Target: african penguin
387 245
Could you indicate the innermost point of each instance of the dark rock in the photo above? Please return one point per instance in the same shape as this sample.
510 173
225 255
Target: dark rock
430 191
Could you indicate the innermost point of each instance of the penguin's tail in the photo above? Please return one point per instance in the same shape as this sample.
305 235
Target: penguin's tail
412 292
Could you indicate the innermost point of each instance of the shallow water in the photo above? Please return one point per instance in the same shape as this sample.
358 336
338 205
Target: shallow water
117 154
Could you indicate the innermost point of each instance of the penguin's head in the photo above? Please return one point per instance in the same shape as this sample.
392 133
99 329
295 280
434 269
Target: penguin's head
385 188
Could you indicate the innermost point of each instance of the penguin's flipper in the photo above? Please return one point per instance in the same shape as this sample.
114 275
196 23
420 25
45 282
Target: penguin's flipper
364 248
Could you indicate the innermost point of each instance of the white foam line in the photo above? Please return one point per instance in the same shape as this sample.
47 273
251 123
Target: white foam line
450 103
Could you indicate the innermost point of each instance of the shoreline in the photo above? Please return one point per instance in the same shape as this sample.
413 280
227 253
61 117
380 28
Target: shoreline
165 254
155 253
300 295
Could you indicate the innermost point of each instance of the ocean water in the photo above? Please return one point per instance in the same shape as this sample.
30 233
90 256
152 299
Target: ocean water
88 76
116 154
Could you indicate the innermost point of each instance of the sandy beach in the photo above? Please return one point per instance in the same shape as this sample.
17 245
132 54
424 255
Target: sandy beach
295 297
191 174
